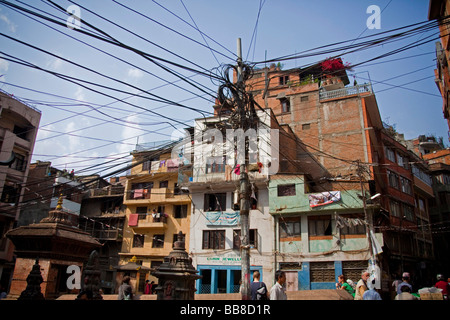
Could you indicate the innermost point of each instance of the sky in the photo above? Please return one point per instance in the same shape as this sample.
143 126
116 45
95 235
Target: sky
116 98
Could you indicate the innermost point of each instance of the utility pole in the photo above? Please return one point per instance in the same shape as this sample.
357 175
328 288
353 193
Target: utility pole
244 186
367 216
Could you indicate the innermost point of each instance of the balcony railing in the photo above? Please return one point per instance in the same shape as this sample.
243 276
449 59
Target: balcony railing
345 92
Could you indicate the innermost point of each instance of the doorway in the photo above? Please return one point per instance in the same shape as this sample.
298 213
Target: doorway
291 280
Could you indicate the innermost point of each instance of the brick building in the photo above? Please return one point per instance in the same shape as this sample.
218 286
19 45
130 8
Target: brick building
342 145
438 9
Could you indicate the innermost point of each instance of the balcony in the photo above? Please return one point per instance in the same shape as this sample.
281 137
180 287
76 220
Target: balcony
139 196
149 222
105 192
345 92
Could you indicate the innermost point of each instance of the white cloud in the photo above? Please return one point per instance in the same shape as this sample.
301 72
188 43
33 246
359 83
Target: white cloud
135 73
11 26
79 94
55 64
4 65
130 134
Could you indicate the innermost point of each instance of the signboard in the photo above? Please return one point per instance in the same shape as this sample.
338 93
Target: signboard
219 218
323 198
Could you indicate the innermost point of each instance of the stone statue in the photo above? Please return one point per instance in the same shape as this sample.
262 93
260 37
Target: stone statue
34 280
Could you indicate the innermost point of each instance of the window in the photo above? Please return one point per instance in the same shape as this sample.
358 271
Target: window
304 98
253 241
158 241
164 184
142 211
138 241
213 166
353 229
215 201
390 154
19 163
286 190
402 161
285 105
408 212
306 126
283 80
290 229
21 132
393 179
395 208
213 239
10 194
319 225
180 211
322 271
406 185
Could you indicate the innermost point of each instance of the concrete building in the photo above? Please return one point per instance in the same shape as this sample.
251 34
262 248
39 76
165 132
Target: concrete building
215 242
439 163
18 128
319 235
102 215
157 208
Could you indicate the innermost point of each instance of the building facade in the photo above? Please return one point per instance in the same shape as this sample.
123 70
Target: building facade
439 9
18 129
215 232
157 208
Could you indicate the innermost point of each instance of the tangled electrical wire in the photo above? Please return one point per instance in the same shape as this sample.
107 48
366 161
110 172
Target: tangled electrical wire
234 100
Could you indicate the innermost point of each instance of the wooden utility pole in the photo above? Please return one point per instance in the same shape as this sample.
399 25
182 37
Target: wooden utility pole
367 215
244 194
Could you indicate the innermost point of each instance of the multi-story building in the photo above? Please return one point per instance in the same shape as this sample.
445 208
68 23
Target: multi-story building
158 208
440 10
215 234
343 149
18 128
439 163
215 231
335 127
102 215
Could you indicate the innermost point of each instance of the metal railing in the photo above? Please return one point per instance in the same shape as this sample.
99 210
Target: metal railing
344 92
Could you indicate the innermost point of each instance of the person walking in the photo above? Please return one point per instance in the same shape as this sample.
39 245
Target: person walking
361 286
278 290
371 294
405 294
125 290
258 289
406 279
443 285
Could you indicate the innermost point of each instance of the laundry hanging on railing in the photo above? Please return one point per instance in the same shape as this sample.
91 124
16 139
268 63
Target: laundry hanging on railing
342 222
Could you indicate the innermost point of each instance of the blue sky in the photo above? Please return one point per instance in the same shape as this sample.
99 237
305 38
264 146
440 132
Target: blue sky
86 137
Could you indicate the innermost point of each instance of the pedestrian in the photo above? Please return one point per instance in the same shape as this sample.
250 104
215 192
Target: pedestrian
405 294
154 285
148 287
406 279
371 294
342 285
278 290
258 289
125 290
442 284
361 286
3 293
